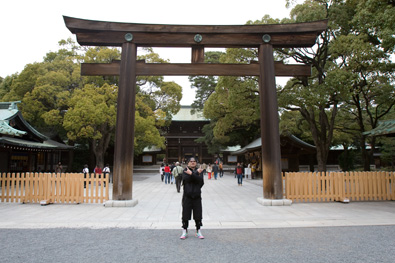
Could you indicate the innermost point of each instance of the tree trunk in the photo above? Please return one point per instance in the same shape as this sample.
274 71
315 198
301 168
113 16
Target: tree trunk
321 159
98 152
367 155
92 161
100 146
322 132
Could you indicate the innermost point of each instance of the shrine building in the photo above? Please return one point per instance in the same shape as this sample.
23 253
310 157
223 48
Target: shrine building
24 149
180 138
186 127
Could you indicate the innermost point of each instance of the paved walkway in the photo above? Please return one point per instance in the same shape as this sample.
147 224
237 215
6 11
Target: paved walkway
225 206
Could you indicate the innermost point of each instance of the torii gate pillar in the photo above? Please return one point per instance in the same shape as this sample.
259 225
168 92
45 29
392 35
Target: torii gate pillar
271 154
123 156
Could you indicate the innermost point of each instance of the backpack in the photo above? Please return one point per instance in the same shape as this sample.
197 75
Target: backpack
176 172
239 170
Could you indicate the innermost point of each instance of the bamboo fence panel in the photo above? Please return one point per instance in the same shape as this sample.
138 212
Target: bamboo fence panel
7 186
381 185
64 188
314 184
340 186
97 189
288 184
386 185
46 188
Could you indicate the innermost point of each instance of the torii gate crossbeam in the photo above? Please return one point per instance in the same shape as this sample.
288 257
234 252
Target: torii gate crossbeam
129 36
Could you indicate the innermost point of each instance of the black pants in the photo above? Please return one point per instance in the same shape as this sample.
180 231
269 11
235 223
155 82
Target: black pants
189 205
178 182
85 175
105 175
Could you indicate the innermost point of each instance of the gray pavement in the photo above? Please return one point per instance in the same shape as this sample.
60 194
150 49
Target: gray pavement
225 206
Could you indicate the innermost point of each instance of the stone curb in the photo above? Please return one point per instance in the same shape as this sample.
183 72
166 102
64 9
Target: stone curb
121 203
274 202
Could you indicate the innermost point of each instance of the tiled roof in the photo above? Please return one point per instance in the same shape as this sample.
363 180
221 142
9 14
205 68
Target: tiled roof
6 129
9 112
383 128
257 143
184 114
48 144
152 149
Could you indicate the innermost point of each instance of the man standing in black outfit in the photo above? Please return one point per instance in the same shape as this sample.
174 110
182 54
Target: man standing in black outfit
191 199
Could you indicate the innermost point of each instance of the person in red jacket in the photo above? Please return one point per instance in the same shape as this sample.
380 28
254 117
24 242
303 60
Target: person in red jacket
239 174
167 173
98 171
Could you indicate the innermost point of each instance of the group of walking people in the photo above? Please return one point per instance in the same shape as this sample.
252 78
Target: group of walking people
171 173
212 171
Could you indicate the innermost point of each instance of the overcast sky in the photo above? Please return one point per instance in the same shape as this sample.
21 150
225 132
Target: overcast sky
30 29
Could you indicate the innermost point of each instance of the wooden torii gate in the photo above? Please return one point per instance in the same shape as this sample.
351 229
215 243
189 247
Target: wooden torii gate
129 36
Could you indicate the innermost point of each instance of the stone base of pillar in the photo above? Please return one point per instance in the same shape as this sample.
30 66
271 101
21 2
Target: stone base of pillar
274 202
121 203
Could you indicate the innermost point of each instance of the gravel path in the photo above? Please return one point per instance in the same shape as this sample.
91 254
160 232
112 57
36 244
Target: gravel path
319 244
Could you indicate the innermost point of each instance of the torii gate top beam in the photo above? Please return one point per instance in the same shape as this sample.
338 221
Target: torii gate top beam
100 33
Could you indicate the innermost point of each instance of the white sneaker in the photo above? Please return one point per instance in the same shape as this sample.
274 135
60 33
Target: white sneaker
199 235
184 234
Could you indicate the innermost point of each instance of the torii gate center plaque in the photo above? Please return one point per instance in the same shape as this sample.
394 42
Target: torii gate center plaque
129 36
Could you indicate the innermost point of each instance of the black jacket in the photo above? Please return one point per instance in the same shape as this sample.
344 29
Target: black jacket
215 168
192 183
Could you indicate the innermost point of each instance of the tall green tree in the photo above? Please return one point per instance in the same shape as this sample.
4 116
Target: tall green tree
351 72
364 59
314 98
91 115
233 108
204 85
372 95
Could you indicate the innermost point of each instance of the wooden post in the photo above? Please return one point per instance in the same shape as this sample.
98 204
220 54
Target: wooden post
197 54
124 139
271 150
